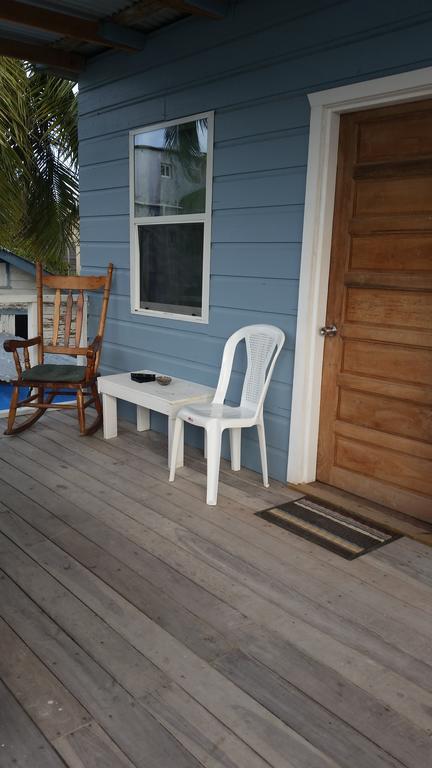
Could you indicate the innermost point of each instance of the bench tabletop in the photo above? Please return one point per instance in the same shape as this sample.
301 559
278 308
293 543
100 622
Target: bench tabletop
152 395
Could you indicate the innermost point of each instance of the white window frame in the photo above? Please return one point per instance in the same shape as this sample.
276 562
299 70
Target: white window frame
326 108
166 170
204 218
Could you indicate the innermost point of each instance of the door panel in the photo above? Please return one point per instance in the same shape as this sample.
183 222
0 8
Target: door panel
384 464
405 135
393 196
386 388
392 253
388 414
396 308
387 361
375 434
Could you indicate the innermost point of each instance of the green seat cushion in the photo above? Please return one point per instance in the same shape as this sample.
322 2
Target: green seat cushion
63 374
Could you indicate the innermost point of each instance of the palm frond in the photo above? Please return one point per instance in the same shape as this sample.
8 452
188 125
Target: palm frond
183 140
38 163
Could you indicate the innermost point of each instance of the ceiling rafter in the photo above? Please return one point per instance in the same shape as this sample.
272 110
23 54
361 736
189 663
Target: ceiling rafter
66 25
43 54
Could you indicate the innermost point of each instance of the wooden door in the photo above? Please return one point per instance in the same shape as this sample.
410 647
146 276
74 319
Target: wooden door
375 435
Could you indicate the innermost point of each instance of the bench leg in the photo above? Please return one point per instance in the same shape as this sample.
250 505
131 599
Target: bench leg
180 453
143 418
109 410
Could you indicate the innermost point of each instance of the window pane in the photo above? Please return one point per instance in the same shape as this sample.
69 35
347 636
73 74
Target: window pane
170 169
171 263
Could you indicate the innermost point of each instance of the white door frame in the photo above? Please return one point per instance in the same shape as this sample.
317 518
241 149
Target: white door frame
326 108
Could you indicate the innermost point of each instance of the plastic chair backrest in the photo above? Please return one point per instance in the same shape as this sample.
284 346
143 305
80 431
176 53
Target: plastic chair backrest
263 346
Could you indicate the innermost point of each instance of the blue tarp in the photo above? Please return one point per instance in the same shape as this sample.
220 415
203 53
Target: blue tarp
5 395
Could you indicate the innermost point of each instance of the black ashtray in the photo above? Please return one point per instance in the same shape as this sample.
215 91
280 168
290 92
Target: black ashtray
143 377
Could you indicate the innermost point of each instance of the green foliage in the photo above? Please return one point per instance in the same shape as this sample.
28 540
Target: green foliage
194 201
38 163
183 141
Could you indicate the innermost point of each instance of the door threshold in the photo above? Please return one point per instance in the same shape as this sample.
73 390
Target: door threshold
369 511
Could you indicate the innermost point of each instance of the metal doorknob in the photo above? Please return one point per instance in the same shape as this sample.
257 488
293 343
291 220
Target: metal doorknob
328 330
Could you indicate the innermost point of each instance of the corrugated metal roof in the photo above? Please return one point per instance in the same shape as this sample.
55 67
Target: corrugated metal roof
91 9
140 14
63 51
148 15
97 9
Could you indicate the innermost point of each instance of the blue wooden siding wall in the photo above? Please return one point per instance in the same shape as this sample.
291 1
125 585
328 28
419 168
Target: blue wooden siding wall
254 69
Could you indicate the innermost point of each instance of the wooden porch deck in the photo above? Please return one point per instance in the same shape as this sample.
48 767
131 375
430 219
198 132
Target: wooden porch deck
140 627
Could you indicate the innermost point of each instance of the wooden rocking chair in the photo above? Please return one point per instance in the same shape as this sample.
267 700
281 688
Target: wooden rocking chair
49 379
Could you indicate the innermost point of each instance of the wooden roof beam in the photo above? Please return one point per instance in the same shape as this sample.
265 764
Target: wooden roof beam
214 9
65 25
64 61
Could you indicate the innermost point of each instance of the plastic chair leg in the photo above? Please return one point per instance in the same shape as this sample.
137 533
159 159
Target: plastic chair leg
263 452
175 448
214 436
235 449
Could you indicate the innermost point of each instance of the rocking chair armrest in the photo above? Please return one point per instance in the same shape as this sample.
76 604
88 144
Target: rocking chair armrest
93 348
11 345
92 356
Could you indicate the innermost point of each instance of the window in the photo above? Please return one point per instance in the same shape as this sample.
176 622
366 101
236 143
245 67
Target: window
4 275
166 170
171 182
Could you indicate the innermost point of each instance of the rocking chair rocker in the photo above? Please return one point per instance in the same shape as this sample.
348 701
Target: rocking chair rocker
51 380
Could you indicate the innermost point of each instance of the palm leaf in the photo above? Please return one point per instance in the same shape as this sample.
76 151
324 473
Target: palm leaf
38 163
183 141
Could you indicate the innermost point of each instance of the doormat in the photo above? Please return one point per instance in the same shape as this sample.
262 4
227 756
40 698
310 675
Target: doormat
328 526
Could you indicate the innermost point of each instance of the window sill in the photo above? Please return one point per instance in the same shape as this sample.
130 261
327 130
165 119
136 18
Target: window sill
203 320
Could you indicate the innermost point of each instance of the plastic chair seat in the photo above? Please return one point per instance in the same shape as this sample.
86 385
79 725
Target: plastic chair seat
200 414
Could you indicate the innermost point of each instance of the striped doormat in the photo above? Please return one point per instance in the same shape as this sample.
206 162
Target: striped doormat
328 526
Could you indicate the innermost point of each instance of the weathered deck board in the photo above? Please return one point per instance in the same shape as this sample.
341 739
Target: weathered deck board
111 456
90 747
232 526
50 705
22 744
212 690
195 636
329 733
59 716
246 560
129 725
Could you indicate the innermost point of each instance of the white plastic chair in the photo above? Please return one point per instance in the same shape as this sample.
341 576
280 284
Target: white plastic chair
263 346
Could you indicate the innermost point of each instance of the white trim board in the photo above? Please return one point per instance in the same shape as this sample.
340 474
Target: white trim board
326 107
